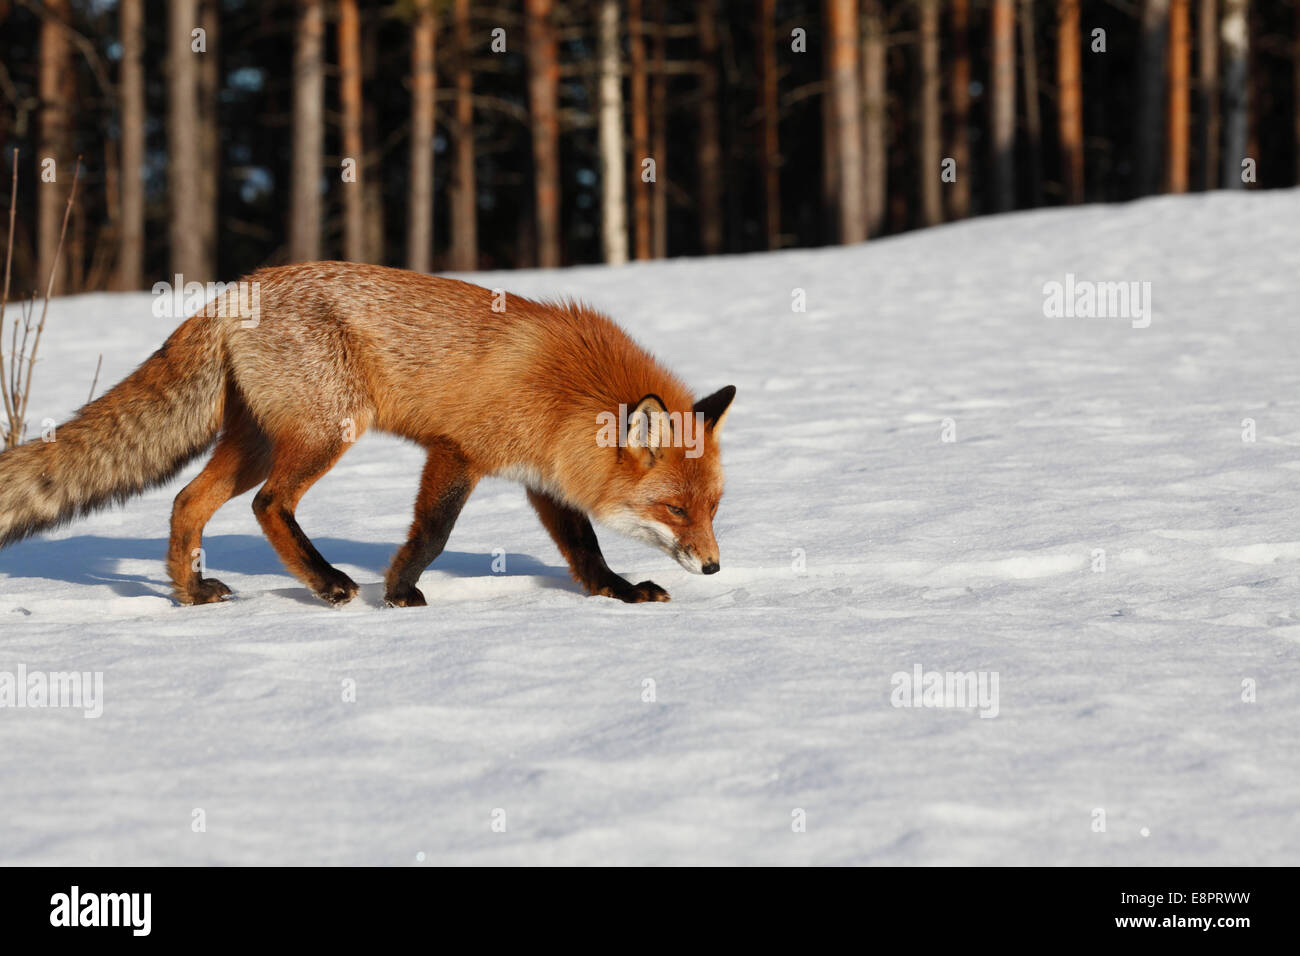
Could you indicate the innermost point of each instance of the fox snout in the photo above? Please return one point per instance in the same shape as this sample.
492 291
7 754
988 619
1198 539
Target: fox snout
701 558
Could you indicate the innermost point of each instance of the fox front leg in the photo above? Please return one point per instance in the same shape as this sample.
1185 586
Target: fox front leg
576 540
444 488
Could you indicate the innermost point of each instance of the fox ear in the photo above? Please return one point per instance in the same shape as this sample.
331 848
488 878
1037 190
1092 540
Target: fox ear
649 430
715 408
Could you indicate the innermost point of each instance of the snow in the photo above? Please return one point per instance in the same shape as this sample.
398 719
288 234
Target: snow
856 545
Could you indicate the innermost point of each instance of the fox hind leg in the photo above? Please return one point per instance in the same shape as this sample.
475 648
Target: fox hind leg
295 467
573 533
239 462
444 487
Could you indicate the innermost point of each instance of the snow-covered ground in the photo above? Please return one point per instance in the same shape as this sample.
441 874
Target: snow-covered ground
857 544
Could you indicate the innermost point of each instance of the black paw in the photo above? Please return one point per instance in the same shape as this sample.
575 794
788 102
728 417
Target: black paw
204 591
338 589
635 593
408 596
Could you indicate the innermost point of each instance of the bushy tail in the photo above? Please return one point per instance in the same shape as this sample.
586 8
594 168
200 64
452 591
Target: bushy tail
138 434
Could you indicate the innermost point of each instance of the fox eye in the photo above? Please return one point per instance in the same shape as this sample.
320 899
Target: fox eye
679 512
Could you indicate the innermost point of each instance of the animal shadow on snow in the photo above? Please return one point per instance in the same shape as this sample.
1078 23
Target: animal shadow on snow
91 560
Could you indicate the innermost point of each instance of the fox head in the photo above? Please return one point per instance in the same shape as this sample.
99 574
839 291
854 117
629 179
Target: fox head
669 479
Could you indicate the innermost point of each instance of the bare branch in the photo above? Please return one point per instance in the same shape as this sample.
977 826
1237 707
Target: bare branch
95 381
49 291
4 298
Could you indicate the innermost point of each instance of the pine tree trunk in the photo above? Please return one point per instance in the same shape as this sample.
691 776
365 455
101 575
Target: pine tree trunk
1208 92
372 181
350 102
184 180
931 117
1033 119
543 98
770 147
959 103
130 263
1258 96
419 224
1179 91
612 165
641 224
1150 106
5 119
57 98
1069 81
830 163
210 133
710 144
846 112
1295 104
875 117
464 195
1235 39
659 95
308 133
1004 104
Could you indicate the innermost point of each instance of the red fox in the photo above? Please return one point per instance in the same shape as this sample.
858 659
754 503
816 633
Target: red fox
327 350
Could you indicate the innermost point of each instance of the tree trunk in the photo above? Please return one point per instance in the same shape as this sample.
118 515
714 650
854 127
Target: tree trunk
1150 105
1003 107
1234 36
1208 92
830 164
308 133
770 148
612 167
130 263
875 116
1069 81
710 145
464 193
659 95
372 181
640 132
419 225
209 132
57 98
846 111
184 178
350 100
1258 93
931 116
543 98
1179 91
1033 120
959 192
5 118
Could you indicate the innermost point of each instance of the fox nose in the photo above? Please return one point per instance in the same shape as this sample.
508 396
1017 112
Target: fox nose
711 568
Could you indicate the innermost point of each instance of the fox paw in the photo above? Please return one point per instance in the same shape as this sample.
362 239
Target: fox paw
405 597
635 593
203 591
338 589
